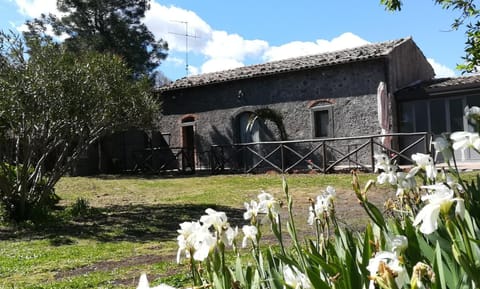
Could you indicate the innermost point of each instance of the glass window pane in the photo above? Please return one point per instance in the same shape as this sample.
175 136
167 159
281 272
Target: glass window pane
406 117
321 123
421 116
473 100
438 123
456 115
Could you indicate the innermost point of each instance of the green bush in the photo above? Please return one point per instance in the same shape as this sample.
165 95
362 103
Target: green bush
80 208
31 203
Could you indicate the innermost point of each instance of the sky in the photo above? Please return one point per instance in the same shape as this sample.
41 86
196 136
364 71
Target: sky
230 34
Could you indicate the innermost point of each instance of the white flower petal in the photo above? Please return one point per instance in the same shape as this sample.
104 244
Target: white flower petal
430 221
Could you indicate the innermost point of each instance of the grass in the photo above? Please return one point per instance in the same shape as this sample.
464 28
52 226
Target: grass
127 225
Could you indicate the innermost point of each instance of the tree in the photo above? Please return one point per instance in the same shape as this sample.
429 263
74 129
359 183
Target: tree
112 26
469 17
53 105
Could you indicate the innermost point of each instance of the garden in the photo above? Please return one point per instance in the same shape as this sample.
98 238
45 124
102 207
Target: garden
393 229
108 230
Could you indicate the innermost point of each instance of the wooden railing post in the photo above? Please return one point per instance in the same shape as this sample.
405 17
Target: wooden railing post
324 159
372 154
427 143
282 158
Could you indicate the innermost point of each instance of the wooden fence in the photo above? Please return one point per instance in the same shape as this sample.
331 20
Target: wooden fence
319 155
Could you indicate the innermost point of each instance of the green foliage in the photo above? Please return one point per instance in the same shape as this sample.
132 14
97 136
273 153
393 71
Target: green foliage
54 104
469 17
80 208
113 26
14 206
268 114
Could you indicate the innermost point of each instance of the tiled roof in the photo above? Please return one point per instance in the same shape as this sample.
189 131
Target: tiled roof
454 81
365 52
430 88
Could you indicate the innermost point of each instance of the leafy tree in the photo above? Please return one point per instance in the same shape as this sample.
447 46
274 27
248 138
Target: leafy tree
469 17
113 26
53 105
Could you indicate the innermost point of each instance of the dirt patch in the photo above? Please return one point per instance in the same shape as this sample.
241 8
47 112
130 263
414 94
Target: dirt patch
111 265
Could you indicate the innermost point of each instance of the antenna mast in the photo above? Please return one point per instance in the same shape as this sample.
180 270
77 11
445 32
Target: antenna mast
186 35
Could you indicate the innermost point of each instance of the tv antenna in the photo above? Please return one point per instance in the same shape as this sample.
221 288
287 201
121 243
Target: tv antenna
186 35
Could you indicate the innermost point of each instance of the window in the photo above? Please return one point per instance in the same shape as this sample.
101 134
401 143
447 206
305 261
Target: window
407 117
456 114
322 121
438 117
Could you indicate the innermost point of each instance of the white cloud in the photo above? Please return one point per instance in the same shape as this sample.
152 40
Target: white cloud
440 69
297 48
34 8
193 70
175 61
219 49
223 45
218 64
172 23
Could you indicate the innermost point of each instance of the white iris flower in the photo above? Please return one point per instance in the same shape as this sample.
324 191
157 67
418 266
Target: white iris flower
268 204
389 175
386 263
405 183
472 113
424 162
216 219
185 239
143 284
442 146
252 210
463 140
295 279
439 200
249 233
203 243
229 235
324 206
382 161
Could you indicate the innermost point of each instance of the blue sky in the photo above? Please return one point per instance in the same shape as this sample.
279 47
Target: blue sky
231 34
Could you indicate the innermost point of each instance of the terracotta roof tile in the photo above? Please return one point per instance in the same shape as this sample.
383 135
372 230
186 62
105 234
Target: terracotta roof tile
431 88
454 81
366 52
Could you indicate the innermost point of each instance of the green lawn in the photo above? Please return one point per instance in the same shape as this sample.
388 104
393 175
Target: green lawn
130 226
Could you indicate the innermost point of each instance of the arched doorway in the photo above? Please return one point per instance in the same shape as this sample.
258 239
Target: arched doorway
248 131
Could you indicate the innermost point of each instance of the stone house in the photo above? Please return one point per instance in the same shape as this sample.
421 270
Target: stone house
328 95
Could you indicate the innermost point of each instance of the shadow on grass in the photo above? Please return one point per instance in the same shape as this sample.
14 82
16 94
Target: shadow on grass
140 223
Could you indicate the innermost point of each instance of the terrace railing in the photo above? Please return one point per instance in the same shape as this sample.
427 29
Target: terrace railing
320 155
154 160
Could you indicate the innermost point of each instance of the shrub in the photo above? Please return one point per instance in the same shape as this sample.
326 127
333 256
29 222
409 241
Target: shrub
80 208
32 203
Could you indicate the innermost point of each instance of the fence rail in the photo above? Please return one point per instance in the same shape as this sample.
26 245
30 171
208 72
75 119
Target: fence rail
321 155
